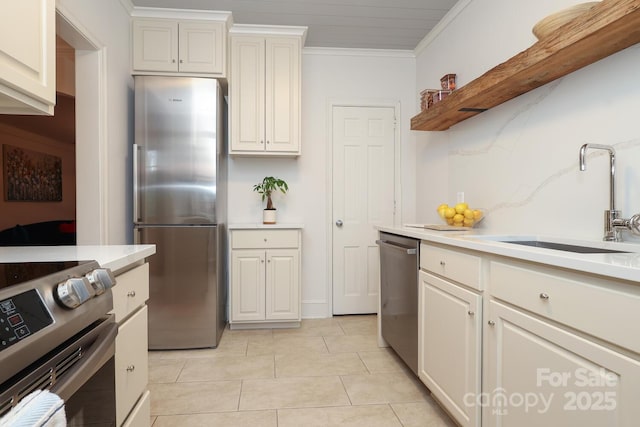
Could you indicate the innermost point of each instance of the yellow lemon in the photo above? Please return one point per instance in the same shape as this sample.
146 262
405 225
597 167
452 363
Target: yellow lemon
441 210
458 218
468 222
450 221
449 212
468 214
477 214
442 206
460 207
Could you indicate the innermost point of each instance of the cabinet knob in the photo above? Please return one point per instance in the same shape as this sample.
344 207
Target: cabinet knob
268 142
442 263
173 61
339 223
491 323
261 142
181 61
131 294
262 261
131 368
265 239
268 260
470 313
544 296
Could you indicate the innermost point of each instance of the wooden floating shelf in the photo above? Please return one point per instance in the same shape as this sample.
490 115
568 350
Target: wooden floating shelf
605 29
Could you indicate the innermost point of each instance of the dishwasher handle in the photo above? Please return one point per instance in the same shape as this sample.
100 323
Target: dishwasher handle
407 249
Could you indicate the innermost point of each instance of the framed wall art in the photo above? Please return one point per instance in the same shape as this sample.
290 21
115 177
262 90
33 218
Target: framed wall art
31 176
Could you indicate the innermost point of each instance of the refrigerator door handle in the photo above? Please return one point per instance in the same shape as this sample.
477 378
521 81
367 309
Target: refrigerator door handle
136 194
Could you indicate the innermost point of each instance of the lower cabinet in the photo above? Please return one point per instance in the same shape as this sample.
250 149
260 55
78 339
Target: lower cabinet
450 338
265 281
131 360
540 374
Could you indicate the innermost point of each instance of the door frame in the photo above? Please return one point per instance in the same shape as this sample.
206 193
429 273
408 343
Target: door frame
397 176
91 130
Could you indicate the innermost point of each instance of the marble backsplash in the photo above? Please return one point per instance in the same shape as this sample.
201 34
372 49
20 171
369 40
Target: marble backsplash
519 160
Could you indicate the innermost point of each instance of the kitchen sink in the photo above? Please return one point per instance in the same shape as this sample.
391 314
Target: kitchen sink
563 247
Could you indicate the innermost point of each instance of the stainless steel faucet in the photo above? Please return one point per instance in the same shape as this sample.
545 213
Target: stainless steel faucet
613 223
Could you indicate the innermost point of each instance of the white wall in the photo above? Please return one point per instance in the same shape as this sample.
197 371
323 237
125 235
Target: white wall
520 159
107 24
350 76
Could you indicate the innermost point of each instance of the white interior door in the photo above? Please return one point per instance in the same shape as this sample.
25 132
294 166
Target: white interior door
363 196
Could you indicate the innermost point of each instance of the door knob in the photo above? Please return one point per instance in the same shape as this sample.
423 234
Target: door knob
339 223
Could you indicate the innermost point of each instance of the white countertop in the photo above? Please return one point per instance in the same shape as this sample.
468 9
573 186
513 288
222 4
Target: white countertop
114 257
616 265
254 226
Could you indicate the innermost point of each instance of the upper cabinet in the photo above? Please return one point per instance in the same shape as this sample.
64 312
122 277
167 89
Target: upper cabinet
28 57
265 90
180 46
605 29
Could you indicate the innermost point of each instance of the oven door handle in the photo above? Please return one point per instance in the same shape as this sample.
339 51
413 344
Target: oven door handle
102 349
407 249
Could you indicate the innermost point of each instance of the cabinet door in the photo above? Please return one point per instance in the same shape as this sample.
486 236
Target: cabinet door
282 85
247 93
282 285
540 374
450 331
201 46
247 285
141 414
27 57
131 360
155 45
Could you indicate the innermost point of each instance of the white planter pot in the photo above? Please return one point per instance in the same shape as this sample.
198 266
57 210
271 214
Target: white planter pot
269 216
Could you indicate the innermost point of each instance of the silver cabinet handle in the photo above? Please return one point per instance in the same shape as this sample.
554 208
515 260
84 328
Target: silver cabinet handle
131 294
491 323
544 296
339 223
470 313
442 263
131 368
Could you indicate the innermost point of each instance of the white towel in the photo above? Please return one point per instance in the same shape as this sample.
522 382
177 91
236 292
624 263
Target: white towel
38 409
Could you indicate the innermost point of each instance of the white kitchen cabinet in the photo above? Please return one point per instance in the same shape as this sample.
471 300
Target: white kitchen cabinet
265 92
450 332
565 341
181 47
28 57
541 374
265 278
131 360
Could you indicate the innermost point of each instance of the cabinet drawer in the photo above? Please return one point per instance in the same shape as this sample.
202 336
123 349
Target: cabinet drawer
131 362
131 291
264 239
455 265
604 309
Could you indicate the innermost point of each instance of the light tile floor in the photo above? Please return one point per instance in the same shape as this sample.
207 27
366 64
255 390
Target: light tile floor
328 372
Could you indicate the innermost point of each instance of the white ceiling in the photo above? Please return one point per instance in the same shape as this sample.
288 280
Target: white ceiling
370 24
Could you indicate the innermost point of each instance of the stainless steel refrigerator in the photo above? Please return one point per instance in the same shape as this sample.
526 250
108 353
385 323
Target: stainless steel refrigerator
179 205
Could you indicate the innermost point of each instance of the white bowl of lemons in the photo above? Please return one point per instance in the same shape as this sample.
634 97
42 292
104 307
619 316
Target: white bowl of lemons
460 215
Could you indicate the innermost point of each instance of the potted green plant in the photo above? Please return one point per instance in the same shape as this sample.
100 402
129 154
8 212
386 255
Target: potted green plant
266 188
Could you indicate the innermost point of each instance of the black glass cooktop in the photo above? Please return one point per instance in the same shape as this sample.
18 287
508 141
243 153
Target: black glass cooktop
20 272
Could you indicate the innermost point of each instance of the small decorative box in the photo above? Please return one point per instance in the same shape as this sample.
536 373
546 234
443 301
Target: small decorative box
448 82
440 95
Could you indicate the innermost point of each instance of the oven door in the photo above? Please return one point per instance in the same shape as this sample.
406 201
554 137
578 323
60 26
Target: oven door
81 371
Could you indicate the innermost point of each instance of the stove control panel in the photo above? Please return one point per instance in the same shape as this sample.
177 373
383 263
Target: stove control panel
21 316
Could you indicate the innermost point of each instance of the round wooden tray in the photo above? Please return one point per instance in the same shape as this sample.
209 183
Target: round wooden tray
551 23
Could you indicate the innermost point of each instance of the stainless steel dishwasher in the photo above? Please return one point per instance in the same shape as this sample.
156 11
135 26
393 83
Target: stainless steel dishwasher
399 265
